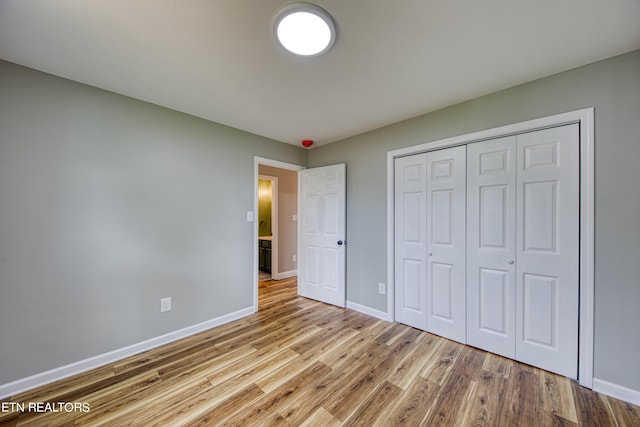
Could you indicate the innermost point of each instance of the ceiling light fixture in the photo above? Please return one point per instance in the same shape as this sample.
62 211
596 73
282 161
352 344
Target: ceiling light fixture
304 29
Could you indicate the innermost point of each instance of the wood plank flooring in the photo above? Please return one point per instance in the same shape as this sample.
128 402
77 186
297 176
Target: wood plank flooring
299 362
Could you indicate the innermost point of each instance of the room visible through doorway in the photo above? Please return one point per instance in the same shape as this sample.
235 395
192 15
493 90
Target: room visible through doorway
276 222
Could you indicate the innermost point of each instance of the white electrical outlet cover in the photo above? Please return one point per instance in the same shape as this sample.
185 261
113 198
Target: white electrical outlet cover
165 304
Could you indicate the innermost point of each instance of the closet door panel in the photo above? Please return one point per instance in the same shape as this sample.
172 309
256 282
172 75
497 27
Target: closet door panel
411 240
494 304
446 241
547 287
491 201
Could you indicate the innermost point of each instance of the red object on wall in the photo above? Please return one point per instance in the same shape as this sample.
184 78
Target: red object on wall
306 143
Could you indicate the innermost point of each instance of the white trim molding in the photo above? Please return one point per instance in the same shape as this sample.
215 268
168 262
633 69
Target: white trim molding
47 377
369 311
585 118
616 391
285 274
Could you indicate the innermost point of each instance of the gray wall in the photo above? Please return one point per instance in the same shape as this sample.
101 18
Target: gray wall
108 204
613 88
287 207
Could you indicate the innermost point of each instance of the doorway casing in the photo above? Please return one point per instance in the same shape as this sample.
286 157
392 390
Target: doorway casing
585 119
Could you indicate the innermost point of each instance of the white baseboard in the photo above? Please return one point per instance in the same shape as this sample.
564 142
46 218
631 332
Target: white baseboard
37 380
617 391
370 311
285 274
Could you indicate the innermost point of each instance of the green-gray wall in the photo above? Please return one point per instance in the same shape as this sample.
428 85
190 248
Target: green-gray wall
612 87
108 204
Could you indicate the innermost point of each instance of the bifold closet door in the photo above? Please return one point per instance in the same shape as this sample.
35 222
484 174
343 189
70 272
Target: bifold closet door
523 247
430 241
446 243
547 249
411 240
491 270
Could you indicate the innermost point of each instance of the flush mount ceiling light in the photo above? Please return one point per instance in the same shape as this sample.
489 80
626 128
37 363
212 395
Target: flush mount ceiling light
304 29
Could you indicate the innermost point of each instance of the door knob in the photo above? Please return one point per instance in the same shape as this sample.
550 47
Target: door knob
510 261
340 242
430 253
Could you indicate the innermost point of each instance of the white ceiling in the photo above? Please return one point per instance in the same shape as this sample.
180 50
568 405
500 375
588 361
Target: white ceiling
392 60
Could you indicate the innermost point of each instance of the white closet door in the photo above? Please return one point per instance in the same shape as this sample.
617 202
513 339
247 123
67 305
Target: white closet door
446 243
548 249
491 202
411 241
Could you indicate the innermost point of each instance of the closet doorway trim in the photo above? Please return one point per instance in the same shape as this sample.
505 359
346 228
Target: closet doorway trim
585 118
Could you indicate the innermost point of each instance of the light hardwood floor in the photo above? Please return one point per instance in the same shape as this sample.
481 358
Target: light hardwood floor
299 362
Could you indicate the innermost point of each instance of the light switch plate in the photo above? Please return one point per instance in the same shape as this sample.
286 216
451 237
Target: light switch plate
249 216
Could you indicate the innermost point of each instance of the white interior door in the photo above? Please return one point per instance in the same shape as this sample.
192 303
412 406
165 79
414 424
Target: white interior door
547 287
321 234
491 202
446 243
411 240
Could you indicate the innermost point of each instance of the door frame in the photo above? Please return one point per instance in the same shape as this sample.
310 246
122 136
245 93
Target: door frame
257 161
585 119
274 223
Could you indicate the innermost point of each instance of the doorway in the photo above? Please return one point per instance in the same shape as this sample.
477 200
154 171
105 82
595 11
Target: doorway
275 237
267 226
